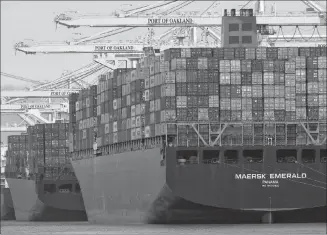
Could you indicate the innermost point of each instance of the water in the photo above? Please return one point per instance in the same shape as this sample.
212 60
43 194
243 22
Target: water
21 228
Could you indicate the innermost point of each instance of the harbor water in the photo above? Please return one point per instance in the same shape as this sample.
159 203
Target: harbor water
83 228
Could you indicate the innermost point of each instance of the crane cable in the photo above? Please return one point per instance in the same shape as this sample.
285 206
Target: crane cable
166 12
179 7
209 7
164 4
64 77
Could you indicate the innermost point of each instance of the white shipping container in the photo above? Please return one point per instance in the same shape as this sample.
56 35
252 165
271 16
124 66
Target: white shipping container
151 109
168 90
313 87
290 80
247 115
133 110
203 114
98 110
225 104
83 134
235 78
133 134
225 66
168 115
246 104
225 78
322 113
257 91
213 101
202 63
322 62
147 83
300 75
236 104
313 100
301 88
186 52
106 128
152 118
322 75
269 115
268 78
322 88
147 132
290 104
137 121
157 130
146 95
157 105
269 104
178 63
235 65
138 133
279 103
181 101
115 126
257 78
247 91
301 113
128 123
280 91
169 77
137 109
151 81
181 76
300 62
290 92
268 91
322 100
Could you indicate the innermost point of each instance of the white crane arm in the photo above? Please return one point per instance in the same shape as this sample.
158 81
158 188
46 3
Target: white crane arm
86 48
194 21
37 94
42 107
20 78
14 129
315 5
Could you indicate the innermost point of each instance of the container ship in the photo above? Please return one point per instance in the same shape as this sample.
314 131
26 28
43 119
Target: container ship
7 208
39 166
206 135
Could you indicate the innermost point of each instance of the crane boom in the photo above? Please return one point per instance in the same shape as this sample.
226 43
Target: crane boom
36 94
86 48
136 52
194 21
20 78
43 107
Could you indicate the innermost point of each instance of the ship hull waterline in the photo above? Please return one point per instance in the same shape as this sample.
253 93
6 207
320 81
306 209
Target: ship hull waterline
7 207
133 187
29 207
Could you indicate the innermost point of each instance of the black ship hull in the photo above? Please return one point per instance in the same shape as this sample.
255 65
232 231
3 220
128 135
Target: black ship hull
133 187
31 206
7 207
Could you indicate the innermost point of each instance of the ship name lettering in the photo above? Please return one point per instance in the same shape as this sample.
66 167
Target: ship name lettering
288 176
250 176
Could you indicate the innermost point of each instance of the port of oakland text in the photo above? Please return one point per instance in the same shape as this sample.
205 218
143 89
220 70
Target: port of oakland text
270 176
114 48
170 21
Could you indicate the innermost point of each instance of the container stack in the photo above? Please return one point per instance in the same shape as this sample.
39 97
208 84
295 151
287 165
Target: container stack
255 87
48 148
85 118
17 154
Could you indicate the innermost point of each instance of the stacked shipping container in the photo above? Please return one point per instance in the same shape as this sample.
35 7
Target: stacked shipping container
216 85
17 155
48 148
